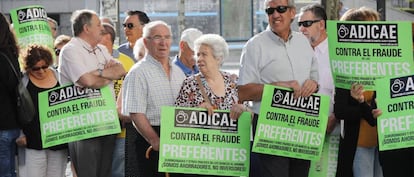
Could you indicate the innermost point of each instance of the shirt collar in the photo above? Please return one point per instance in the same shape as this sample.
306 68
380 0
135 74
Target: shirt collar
277 37
115 53
187 71
152 60
88 47
323 46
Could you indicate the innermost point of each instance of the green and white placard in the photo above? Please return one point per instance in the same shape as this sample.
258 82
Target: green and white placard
70 113
31 27
396 101
326 165
193 142
291 127
362 51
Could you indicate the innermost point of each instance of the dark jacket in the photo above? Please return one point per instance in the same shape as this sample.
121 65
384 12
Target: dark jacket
351 111
8 83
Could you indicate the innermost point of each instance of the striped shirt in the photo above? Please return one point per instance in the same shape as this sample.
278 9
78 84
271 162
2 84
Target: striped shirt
146 88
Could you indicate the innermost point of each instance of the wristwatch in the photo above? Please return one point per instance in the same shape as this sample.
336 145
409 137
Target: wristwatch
100 72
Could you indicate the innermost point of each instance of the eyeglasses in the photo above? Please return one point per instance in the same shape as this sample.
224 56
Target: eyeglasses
128 25
35 68
307 23
279 9
57 52
159 38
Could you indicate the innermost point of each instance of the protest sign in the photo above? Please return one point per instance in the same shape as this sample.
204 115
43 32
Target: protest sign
31 27
326 165
70 113
291 127
362 51
396 101
193 142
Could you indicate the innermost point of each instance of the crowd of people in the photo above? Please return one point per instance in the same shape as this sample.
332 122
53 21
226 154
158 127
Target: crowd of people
143 77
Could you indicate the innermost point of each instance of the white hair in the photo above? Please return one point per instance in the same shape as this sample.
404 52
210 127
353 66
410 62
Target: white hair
146 31
217 43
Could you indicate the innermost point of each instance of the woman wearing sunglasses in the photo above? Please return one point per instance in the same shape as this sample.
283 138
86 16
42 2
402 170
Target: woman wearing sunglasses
39 76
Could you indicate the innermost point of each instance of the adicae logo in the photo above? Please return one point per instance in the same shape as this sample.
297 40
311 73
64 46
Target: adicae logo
22 15
181 117
278 96
343 31
397 86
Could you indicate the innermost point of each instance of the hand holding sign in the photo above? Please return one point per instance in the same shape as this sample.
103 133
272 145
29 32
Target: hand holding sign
309 87
207 106
294 85
357 92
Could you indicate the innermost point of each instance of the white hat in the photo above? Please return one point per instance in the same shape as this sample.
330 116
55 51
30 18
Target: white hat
190 35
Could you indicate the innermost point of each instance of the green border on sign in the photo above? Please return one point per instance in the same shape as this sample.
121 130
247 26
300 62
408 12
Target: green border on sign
291 127
70 113
193 142
396 101
362 51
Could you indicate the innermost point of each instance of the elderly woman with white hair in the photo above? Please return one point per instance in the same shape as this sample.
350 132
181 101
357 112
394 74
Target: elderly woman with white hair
219 86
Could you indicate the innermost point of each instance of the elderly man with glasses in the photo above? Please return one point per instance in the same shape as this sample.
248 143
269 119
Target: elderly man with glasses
133 25
153 82
281 57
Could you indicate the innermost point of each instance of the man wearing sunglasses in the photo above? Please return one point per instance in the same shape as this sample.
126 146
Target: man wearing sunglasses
118 161
281 57
312 23
133 24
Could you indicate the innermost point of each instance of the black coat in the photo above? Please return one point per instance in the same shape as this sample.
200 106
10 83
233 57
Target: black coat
351 111
8 96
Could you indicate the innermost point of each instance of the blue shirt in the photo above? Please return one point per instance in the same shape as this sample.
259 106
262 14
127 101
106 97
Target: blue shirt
127 50
187 71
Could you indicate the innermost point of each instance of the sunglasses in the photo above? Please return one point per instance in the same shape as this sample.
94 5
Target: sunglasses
128 25
307 23
279 9
38 68
57 52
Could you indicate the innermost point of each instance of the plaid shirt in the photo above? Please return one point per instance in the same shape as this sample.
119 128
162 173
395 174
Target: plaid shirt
146 88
